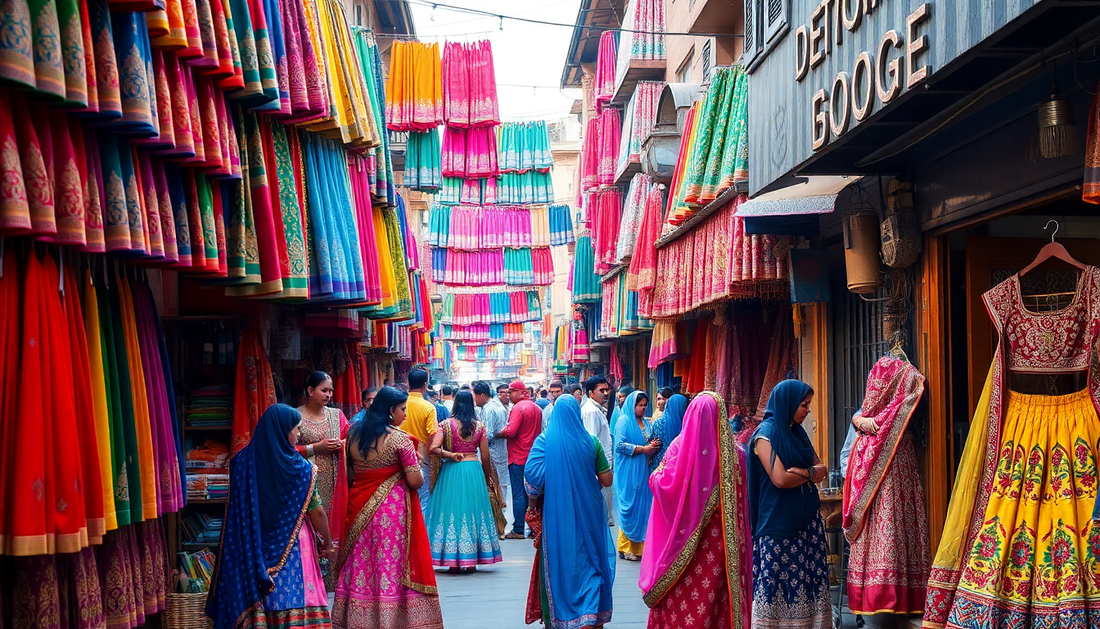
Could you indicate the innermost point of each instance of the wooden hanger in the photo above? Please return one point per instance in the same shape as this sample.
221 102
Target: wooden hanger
1053 250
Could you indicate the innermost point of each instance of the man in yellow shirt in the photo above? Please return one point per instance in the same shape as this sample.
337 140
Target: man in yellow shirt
420 422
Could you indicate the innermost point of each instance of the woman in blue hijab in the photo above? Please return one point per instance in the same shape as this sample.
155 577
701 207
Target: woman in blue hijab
267 574
667 427
575 565
632 494
789 568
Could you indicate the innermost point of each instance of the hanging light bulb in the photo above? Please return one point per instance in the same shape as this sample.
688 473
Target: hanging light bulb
1057 132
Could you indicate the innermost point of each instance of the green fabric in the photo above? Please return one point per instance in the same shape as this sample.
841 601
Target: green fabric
704 124
314 500
117 350
601 458
712 172
297 285
114 409
735 162
206 207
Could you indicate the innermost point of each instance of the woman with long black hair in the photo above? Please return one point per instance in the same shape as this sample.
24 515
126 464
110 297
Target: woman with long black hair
384 569
461 527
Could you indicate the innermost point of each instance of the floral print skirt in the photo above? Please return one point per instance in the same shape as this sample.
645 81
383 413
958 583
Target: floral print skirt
790 581
1035 562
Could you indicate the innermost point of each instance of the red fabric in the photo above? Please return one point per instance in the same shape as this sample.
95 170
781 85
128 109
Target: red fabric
701 596
533 611
419 560
524 424
255 388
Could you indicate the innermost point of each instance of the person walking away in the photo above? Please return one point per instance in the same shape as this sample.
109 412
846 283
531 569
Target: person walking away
668 427
574 570
448 398
594 417
555 393
495 418
384 570
421 424
461 525
663 396
505 397
268 573
632 494
321 442
790 575
524 424
544 399
367 399
441 410
698 526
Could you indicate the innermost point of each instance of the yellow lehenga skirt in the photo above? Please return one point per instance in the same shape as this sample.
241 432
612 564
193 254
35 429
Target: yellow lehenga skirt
1036 559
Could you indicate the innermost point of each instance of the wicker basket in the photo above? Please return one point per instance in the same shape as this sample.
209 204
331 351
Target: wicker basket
185 611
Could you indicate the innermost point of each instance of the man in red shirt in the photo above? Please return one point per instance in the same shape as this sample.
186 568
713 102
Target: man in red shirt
524 424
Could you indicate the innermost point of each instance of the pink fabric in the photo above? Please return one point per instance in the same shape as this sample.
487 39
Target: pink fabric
681 484
311 570
605 71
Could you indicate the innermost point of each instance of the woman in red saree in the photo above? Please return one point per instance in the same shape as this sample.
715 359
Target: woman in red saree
884 517
384 577
696 565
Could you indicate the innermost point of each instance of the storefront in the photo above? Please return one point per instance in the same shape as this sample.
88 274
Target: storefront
967 125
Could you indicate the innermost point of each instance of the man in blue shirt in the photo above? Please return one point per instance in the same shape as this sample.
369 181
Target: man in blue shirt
441 411
367 399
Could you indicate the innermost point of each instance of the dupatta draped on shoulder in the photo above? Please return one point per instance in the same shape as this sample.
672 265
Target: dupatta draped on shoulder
631 474
699 478
270 488
894 388
576 549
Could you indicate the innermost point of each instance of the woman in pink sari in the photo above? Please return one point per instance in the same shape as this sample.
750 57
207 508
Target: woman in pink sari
884 517
695 569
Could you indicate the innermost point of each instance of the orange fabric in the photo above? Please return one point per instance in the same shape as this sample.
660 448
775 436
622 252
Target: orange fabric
365 484
255 388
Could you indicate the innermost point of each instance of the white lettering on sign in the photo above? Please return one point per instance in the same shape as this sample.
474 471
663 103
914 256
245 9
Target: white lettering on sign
877 76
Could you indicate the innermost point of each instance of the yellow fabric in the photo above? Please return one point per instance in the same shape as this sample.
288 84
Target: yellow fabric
1034 546
385 263
142 422
420 420
99 399
627 546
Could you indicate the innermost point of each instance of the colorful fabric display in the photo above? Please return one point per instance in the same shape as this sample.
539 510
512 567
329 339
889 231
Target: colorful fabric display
485 309
523 188
473 228
528 266
610 129
525 146
469 85
561 225
468 191
586 283
604 88
470 153
642 35
605 228
590 156
631 220
641 115
717 157
453 267
210 406
414 92
499 352
482 334
423 170
642 274
735 264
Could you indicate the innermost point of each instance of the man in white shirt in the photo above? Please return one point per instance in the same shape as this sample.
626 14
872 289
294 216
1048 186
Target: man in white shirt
555 391
494 418
594 417
448 398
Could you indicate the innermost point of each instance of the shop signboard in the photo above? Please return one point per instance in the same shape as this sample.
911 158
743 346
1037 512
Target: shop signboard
835 66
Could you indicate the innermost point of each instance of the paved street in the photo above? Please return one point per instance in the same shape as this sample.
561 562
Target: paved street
495 596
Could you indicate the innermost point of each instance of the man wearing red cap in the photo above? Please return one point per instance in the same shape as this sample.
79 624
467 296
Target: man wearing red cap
524 424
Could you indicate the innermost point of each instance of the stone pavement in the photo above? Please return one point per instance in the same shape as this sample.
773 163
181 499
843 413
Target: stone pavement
495 596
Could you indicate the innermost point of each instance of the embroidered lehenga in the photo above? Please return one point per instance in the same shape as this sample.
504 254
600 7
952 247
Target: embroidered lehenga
884 516
384 571
1020 548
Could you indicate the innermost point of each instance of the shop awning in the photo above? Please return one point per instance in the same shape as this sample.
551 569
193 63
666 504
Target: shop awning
793 210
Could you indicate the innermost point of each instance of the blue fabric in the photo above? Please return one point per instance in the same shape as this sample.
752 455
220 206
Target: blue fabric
425 491
358 417
578 555
668 426
616 412
779 512
519 498
542 402
791 574
270 484
461 527
632 493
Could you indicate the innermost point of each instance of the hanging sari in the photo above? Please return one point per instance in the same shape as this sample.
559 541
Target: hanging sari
632 494
395 589
696 568
267 574
99 398
255 389
574 568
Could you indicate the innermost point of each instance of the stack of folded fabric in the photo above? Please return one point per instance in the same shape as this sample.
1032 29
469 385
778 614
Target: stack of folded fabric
210 406
202 528
208 470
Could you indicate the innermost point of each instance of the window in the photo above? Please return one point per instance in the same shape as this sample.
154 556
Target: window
683 73
708 58
358 15
765 25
